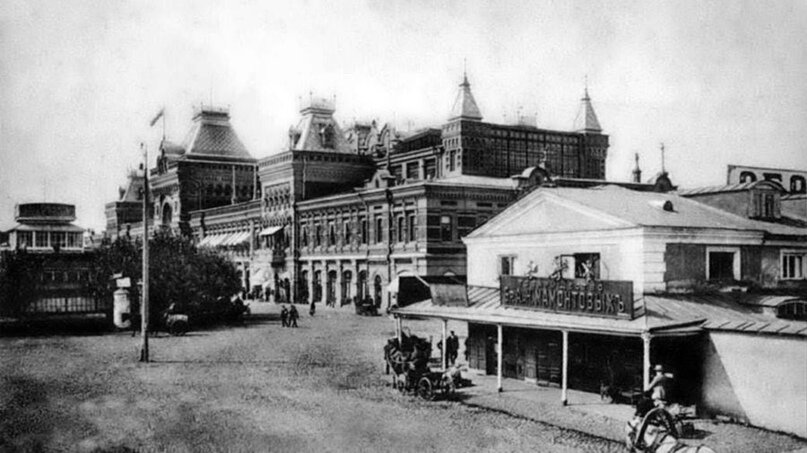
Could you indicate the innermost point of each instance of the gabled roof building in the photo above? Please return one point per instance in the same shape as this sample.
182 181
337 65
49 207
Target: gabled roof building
586 288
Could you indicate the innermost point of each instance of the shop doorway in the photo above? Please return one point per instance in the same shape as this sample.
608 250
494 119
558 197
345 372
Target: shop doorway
330 289
549 359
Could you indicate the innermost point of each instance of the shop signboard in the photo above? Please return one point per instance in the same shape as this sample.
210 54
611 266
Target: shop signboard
602 298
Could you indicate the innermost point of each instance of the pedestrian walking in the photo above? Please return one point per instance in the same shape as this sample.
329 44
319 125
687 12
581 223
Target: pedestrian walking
284 316
313 308
293 315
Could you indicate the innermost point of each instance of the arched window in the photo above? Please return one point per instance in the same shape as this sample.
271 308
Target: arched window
317 285
361 286
747 176
377 291
347 277
167 214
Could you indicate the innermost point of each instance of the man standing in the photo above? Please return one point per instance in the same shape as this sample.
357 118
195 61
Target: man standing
284 316
293 315
452 348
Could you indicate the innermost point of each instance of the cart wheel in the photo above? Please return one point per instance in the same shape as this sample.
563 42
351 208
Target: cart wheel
178 328
426 389
660 418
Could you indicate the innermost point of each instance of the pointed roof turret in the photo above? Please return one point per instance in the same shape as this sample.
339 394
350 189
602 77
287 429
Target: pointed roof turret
586 120
464 105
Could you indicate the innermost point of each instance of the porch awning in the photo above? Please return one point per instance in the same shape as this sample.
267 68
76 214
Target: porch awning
662 315
237 239
269 231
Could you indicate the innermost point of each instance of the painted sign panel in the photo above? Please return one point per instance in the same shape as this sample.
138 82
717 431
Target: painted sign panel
604 298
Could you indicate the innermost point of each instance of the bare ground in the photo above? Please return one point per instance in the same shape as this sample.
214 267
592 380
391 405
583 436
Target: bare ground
258 387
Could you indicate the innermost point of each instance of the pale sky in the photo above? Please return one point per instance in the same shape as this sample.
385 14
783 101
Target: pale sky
719 82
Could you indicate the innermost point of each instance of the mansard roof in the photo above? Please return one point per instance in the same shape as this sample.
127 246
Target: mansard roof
318 130
212 135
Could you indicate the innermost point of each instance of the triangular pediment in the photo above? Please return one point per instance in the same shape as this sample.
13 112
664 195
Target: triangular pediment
548 213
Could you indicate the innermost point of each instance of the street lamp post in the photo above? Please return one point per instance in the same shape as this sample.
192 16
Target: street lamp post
144 305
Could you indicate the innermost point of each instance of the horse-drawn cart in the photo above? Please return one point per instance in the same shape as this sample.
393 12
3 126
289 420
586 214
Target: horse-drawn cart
408 363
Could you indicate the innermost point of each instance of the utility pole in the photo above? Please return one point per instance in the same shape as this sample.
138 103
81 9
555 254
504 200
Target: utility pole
144 305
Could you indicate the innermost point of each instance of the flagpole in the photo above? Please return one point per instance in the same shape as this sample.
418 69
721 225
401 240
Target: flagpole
144 305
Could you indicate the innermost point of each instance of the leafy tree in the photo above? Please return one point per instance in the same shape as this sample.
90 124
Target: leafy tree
197 281
19 280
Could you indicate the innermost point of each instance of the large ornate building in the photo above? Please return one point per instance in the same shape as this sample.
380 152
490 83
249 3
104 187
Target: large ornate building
343 212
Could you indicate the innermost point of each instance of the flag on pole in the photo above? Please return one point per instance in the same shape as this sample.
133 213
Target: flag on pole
157 117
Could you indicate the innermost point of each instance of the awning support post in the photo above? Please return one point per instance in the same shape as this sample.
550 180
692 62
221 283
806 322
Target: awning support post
499 352
645 360
443 349
565 372
398 332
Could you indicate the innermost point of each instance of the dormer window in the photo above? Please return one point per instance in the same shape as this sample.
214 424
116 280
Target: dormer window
765 204
327 136
796 310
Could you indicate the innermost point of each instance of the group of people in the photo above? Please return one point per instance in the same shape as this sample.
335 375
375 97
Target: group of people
289 316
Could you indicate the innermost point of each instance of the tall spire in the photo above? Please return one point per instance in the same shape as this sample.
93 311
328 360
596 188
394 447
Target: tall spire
586 120
637 172
464 105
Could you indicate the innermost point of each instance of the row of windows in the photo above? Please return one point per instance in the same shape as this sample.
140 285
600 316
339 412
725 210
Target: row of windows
578 265
722 263
798 184
49 239
444 228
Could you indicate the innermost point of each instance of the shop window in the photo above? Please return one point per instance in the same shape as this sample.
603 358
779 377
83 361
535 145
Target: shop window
507 265
446 232
722 263
587 266
796 310
793 265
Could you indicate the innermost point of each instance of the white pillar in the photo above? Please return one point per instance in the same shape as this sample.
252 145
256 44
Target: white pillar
499 352
399 328
645 360
565 373
443 349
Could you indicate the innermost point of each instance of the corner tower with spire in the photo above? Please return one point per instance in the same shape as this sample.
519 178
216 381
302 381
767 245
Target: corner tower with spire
594 142
465 107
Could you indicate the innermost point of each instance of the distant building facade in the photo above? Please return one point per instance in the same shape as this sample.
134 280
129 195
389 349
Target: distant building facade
45 232
338 214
